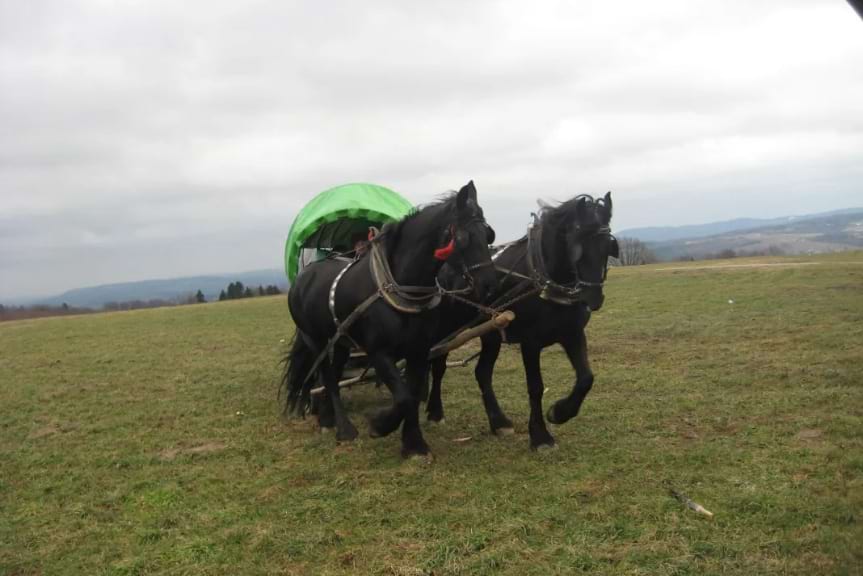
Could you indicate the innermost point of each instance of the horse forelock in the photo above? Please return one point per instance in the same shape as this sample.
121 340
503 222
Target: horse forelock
559 217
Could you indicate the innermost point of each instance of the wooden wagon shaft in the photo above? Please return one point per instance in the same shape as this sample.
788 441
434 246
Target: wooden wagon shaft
499 322
366 376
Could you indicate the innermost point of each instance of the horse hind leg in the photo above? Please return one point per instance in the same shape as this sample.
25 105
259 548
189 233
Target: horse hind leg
322 405
296 383
345 429
323 408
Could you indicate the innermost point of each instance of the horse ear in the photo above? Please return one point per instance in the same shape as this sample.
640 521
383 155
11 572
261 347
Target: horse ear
465 195
605 213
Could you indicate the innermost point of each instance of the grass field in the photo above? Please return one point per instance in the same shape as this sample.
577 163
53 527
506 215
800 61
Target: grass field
150 442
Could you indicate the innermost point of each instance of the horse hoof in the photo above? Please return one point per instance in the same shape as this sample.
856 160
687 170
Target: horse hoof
440 422
545 447
348 436
327 430
551 417
420 457
383 424
504 432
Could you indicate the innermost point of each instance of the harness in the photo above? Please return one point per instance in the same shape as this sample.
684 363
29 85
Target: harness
406 299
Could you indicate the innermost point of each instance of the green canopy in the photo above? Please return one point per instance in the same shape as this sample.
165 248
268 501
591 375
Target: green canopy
335 215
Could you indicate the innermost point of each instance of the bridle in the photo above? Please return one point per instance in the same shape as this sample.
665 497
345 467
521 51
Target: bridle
464 269
563 293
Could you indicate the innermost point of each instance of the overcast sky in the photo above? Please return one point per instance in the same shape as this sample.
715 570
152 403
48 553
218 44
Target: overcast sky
143 139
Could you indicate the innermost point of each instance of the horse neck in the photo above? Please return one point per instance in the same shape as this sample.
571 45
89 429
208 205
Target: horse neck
410 256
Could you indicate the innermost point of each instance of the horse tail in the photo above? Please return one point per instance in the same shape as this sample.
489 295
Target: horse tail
296 384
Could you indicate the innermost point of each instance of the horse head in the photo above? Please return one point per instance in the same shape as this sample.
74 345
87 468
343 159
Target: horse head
466 241
579 233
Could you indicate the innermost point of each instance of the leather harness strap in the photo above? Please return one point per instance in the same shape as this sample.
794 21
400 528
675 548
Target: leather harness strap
407 299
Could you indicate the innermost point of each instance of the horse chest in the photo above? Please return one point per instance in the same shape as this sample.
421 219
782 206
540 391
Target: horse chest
544 323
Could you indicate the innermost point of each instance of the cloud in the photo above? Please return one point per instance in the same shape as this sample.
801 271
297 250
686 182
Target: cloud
131 126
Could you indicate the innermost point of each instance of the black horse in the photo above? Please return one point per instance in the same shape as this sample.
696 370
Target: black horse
556 273
389 298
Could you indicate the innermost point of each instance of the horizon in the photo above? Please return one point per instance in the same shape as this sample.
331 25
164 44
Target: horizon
149 140
33 299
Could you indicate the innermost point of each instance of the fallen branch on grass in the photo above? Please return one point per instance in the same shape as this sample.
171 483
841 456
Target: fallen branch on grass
692 505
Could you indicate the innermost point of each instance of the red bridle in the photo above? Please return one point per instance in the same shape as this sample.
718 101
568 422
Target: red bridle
446 251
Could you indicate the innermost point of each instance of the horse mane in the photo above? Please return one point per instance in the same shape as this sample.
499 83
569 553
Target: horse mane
554 215
392 231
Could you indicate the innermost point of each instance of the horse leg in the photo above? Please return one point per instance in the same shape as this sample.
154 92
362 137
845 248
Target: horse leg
386 421
416 374
499 423
423 394
434 407
345 429
568 407
322 404
324 409
405 403
539 435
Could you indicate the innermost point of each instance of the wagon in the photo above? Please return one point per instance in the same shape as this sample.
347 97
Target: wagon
333 220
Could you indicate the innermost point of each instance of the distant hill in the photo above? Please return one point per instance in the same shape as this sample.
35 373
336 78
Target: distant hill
667 233
804 235
163 289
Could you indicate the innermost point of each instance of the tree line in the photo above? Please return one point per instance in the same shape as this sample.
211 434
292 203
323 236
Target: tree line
39 311
236 290
633 252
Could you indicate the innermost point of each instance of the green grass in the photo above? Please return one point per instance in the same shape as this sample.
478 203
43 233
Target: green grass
150 442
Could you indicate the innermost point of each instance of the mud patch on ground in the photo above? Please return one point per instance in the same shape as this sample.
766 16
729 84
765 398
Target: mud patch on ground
809 435
46 429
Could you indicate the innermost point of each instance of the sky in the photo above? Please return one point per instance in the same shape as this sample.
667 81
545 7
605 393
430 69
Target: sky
148 139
